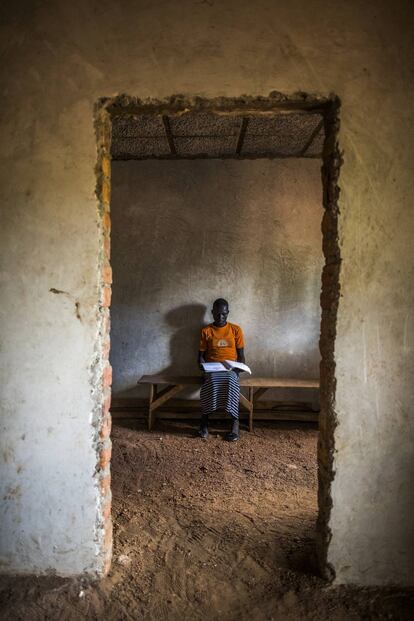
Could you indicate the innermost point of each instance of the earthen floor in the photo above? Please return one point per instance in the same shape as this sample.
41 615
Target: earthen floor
208 530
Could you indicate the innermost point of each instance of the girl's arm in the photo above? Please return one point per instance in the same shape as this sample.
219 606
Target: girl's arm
240 358
240 355
201 359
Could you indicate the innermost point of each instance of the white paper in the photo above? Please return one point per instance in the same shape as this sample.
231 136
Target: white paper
210 367
238 365
227 365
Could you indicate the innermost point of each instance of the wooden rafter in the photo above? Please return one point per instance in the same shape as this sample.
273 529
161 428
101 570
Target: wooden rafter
169 135
243 129
312 138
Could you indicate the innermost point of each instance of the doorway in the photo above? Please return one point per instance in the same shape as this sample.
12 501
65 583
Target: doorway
243 131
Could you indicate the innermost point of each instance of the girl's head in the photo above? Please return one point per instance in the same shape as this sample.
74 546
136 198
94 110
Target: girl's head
220 311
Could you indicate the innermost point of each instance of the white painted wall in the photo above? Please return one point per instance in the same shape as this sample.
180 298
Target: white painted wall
57 60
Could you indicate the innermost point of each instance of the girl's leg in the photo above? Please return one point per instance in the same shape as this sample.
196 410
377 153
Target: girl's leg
205 407
203 433
234 434
233 398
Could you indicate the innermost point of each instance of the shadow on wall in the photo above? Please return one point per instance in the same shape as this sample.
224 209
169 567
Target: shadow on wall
185 322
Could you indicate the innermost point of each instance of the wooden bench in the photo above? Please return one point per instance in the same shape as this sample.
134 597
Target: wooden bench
172 385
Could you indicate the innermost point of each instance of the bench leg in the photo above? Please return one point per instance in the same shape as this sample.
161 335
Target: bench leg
157 399
150 410
251 409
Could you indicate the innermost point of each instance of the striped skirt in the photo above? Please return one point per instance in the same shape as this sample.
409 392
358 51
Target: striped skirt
221 391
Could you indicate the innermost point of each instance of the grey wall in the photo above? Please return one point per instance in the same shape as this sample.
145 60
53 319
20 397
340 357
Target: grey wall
187 232
57 60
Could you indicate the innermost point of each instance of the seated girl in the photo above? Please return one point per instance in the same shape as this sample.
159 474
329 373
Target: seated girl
221 340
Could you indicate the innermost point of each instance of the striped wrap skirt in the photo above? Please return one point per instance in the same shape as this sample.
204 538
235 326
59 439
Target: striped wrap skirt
220 391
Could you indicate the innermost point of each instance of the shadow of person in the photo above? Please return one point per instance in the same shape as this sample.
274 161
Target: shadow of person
186 322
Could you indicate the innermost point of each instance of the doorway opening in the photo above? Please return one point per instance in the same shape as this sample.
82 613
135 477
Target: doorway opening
186 144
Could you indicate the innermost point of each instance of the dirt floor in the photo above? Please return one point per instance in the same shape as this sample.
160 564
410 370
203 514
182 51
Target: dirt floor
208 530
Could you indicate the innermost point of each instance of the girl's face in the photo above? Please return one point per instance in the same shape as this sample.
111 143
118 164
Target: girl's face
220 313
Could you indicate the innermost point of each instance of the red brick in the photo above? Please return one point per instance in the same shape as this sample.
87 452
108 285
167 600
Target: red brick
106 166
106 405
108 534
107 275
106 223
107 247
105 485
106 509
105 349
106 297
105 457
106 426
107 376
106 191
106 324
107 564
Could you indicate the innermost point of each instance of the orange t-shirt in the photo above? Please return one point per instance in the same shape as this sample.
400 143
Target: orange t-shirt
221 343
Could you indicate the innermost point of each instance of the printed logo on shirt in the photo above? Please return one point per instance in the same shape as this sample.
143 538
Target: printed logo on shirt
222 343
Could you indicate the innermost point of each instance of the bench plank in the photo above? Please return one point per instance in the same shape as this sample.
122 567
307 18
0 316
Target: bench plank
170 379
256 382
257 387
281 382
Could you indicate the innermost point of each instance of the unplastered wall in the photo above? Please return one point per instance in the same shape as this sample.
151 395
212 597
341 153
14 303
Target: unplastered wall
186 232
57 60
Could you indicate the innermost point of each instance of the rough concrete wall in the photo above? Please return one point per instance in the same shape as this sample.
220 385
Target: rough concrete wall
58 59
49 294
187 232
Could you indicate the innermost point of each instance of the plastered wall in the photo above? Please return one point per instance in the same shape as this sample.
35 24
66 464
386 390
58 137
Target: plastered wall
57 60
187 232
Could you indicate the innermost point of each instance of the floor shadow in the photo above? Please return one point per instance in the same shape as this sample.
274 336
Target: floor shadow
177 427
302 557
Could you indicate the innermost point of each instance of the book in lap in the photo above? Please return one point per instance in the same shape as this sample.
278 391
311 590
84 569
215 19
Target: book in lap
226 365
